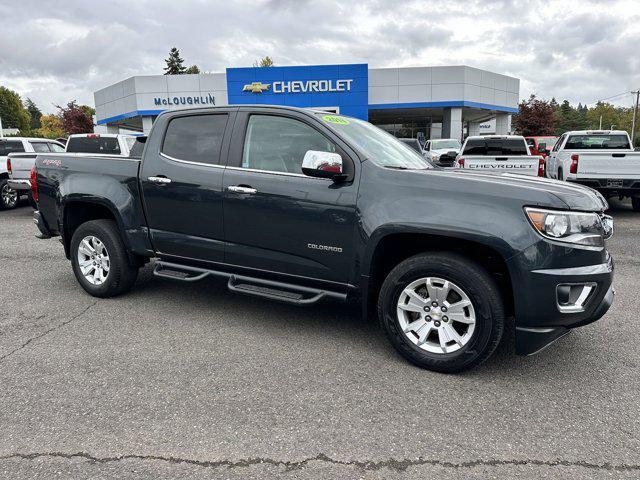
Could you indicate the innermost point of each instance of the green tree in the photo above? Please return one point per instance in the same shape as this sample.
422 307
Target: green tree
192 69
34 114
174 63
12 112
51 127
264 62
610 116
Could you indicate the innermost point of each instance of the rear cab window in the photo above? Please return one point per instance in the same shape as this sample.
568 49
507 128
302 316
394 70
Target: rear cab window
94 144
496 147
10 146
597 142
195 138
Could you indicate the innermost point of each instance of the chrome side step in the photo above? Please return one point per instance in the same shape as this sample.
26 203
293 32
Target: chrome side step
258 287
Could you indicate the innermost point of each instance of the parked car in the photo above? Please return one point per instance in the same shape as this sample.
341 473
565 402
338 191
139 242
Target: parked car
296 205
10 193
20 164
442 151
541 145
603 160
499 154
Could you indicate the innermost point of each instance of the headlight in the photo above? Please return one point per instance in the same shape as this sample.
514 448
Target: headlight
578 228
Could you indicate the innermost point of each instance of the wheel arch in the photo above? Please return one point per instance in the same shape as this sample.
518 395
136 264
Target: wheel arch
392 247
75 212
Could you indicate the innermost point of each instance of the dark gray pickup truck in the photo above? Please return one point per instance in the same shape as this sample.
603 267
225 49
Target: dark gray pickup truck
298 205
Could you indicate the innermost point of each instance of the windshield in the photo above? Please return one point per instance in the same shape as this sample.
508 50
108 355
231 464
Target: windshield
450 143
379 146
597 142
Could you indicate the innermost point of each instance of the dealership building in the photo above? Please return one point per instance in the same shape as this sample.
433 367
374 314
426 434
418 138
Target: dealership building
420 102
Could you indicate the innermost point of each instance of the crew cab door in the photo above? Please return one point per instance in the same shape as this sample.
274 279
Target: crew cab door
276 218
552 158
181 179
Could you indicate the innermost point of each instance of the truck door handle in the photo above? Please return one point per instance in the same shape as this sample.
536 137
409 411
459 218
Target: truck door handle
239 189
160 180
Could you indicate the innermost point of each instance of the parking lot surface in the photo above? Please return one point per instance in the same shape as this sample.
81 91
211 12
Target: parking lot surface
190 381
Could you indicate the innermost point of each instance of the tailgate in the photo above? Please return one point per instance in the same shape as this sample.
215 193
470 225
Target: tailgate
21 164
521 164
613 165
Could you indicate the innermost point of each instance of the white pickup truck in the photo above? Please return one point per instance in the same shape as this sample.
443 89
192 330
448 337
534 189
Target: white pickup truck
9 195
603 160
19 164
499 154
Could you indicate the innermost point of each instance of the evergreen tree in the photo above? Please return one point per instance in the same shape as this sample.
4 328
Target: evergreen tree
174 63
264 62
34 113
192 69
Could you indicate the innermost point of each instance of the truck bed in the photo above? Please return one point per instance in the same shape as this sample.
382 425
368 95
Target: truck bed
91 178
608 165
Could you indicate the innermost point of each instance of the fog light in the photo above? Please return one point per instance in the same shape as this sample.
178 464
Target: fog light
572 297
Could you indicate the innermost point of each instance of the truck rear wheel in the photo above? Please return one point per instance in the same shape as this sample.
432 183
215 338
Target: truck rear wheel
441 312
635 203
8 196
99 259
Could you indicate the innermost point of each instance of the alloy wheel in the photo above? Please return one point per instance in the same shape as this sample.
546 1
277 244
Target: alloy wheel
93 260
436 315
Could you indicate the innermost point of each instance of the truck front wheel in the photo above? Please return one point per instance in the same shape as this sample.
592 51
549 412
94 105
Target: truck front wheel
100 261
442 312
635 203
8 196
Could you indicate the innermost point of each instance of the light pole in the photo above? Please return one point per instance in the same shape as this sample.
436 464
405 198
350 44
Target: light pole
633 123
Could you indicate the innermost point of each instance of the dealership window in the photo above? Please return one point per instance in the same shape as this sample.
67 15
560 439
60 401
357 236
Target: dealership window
195 138
278 144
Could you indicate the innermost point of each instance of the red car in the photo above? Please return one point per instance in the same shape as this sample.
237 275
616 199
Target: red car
541 145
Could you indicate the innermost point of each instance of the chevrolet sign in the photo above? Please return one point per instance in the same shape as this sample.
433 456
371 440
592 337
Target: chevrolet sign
299 86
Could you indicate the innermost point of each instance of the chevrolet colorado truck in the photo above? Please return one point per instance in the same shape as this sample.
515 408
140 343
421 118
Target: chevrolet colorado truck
499 154
603 160
299 205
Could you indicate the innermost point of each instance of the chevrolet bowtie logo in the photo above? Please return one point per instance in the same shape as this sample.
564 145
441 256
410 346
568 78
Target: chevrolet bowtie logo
256 87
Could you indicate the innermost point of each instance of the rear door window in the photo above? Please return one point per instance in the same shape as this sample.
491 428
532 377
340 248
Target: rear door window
94 144
597 142
10 146
195 138
40 147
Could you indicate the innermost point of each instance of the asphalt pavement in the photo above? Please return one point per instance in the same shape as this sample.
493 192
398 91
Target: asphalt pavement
181 380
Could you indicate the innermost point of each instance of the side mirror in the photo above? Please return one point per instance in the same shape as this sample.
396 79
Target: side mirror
322 164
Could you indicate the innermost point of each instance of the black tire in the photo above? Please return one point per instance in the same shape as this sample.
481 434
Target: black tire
560 175
4 189
635 204
121 275
476 284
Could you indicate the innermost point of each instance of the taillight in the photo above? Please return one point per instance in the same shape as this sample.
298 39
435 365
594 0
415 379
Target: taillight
9 165
574 163
34 183
541 167
461 162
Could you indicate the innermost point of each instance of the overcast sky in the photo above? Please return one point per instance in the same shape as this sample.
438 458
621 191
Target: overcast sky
579 50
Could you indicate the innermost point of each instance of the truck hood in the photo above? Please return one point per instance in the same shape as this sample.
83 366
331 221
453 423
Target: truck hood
567 195
441 151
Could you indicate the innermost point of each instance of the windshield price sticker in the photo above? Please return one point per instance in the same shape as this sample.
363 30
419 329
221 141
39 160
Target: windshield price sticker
335 119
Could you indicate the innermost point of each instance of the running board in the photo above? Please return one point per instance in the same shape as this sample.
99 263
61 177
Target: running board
258 287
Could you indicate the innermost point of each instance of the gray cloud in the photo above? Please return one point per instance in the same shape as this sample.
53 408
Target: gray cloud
579 50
